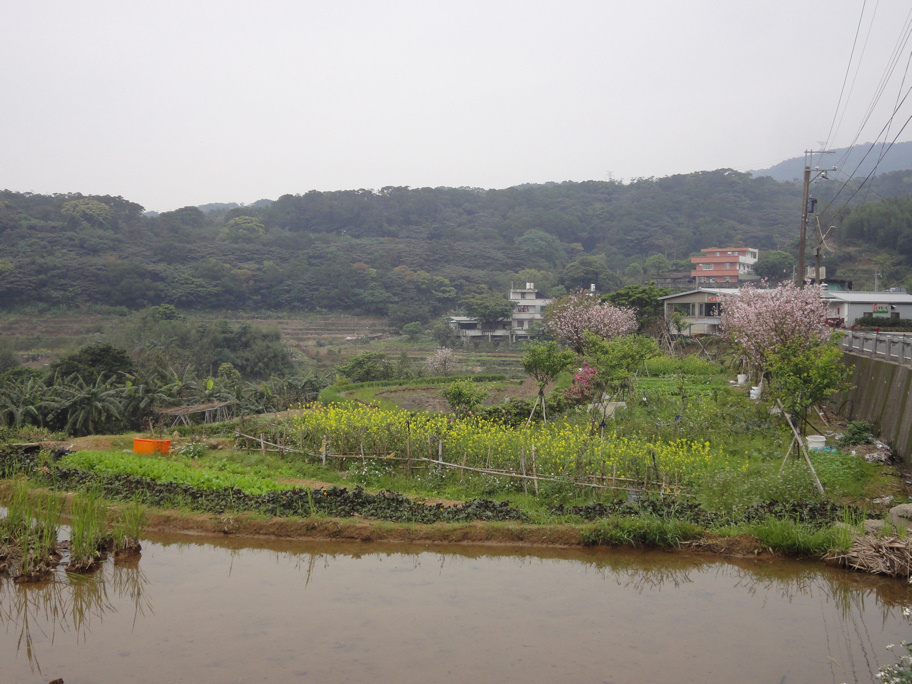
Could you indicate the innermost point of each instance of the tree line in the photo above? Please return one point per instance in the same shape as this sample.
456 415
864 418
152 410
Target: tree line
407 253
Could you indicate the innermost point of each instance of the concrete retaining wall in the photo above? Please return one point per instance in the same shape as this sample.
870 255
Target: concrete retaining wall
881 396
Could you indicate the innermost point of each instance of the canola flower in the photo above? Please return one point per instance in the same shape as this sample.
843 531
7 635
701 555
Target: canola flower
561 448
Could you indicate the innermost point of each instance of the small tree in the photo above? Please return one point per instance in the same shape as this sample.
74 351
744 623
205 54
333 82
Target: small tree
644 299
413 330
543 361
463 396
442 362
759 322
487 308
805 375
366 367
616 360
570 318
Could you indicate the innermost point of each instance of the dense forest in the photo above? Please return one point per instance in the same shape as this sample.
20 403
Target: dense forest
410 254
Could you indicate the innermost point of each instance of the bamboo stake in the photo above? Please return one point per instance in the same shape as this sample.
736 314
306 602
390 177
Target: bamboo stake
257 439
408 455
787 454
801 447
534 406
507 473
522 465
534 472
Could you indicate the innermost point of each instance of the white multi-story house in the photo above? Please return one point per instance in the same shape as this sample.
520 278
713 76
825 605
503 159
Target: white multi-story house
528 306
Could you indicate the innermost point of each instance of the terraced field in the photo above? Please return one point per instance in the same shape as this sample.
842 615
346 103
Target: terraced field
326 340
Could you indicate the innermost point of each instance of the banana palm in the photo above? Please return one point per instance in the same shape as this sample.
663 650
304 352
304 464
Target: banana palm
85 409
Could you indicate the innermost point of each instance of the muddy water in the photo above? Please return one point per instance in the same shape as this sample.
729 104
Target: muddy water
218 610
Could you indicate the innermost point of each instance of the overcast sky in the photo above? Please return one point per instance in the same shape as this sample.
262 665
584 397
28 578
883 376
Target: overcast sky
181 103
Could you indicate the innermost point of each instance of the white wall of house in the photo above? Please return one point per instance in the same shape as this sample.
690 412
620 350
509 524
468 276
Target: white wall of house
528 306
856 306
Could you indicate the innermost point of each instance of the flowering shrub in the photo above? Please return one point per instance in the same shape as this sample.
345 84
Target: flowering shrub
442 362
761 321
584 386
901 671
571 317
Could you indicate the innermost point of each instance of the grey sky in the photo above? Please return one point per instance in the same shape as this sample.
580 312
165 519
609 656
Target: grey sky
176 103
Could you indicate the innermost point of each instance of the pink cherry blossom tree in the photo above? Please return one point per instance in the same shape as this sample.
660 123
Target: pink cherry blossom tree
761 322
442 361
571 317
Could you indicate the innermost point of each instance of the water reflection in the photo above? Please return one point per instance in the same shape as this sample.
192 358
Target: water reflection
70 604
257 610
638 571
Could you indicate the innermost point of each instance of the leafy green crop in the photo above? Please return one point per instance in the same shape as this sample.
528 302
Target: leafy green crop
160 470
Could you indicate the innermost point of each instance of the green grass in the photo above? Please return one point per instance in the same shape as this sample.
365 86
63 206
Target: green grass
844 475
799 539
646 531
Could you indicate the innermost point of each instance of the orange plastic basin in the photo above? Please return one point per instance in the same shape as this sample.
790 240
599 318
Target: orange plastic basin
150 446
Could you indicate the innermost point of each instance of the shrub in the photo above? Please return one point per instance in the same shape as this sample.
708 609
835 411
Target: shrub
857 432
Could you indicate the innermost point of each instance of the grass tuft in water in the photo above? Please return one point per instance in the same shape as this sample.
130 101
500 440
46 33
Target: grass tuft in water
28 534
87 531
127 525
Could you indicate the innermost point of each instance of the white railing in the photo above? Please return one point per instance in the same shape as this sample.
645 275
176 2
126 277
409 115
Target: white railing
896 347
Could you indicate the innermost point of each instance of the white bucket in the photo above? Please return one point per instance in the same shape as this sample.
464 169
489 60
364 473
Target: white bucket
816 442
755 392
742 378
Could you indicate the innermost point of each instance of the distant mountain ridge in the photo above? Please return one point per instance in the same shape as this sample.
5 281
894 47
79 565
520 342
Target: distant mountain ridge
846 159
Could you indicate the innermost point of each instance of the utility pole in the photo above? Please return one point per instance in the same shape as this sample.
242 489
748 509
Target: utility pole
821 237
808 156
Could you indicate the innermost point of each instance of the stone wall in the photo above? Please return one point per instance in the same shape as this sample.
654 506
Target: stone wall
880 395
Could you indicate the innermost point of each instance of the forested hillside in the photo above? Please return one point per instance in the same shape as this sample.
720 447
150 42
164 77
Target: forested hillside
407 253
858 160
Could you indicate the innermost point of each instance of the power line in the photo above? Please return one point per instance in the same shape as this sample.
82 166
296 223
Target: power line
846 77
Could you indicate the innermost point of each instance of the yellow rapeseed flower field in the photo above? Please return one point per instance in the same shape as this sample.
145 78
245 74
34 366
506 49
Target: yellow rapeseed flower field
560 448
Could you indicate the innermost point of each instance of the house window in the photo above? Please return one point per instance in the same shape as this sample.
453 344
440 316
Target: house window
707 267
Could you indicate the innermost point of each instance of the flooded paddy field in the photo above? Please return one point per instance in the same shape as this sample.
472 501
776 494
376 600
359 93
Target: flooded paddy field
229 610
